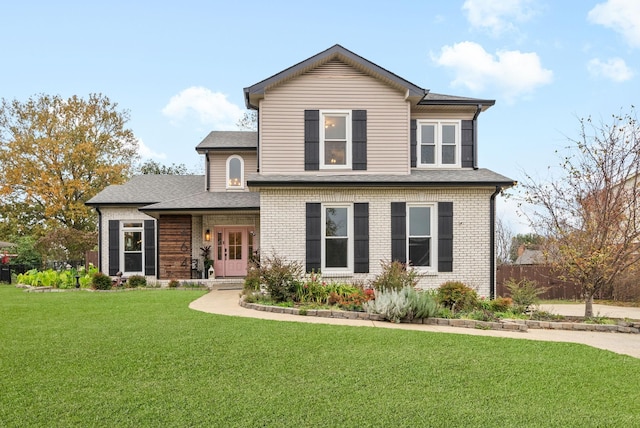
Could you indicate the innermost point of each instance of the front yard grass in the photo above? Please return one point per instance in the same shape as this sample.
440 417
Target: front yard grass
143 358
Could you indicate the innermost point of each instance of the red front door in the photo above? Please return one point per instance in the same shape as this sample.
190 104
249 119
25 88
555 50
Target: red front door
231 251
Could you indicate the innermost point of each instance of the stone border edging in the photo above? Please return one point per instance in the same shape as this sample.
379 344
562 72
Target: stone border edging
506 324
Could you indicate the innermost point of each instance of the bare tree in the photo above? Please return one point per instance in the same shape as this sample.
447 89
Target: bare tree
504 236
249 121
590 212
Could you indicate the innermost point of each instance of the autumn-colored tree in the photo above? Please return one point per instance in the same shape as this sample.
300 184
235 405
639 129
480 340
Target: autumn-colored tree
590 212
55 154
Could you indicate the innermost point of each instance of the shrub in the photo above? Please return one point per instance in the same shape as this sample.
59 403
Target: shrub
174 283
395 276
280 277
457 296
136 281
252 280
407 303
524 293
501 304
101 281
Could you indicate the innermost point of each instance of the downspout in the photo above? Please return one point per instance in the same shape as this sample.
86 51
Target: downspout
492 243
206 171
475 136
99 238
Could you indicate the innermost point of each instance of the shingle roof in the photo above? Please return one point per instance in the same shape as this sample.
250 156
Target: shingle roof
441 99
225 140
149 189
173 192
210 201
422 178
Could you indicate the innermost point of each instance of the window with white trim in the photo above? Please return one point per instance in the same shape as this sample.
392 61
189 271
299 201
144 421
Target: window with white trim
335 139
235 172
421 239
337 238
131 243
438 143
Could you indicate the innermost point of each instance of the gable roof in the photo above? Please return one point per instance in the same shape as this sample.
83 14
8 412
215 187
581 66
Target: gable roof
422 96
228 140
255 91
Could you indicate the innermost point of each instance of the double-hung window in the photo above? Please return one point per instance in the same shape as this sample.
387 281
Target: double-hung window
337 238
420 235
335 139
132 247
439 143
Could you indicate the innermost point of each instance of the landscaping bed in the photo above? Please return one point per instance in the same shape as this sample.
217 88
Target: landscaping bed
522 325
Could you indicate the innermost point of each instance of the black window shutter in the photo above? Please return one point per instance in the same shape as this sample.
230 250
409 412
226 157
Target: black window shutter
114 244
314 237
149 247
466 144
445 237
311 140
359 139
361 237
399 232
413 136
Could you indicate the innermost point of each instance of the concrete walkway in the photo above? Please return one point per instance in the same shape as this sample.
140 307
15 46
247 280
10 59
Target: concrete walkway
224 301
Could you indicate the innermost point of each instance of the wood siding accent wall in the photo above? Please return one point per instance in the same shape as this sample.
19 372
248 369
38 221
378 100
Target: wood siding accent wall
218 168
174 232
338 86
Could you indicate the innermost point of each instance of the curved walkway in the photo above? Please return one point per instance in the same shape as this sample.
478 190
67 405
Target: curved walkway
225 302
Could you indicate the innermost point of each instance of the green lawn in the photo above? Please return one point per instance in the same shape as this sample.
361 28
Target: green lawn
142 358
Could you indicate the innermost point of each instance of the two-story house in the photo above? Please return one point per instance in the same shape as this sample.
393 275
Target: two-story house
352 165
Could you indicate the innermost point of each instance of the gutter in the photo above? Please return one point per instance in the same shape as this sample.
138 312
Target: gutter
475 136
492 243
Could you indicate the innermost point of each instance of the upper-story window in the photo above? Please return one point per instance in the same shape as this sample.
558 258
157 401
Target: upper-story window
439 143
335 139
235 172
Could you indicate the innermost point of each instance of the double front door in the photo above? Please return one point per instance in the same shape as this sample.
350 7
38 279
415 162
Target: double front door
232 248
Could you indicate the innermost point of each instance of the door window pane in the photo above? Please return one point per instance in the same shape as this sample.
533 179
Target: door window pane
235 245
133 262
133 241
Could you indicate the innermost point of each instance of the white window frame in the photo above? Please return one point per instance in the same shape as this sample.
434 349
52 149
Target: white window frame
438 143
349 268
348 120
228 171
433 227
123 230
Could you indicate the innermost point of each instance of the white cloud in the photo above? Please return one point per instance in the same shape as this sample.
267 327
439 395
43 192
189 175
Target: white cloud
145 151
498 16
622 16
614 69
210 108
512 73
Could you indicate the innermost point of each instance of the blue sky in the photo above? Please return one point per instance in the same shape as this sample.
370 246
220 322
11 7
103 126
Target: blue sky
180 67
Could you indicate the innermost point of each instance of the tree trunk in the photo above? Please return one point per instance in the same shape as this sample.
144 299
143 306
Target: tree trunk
588 306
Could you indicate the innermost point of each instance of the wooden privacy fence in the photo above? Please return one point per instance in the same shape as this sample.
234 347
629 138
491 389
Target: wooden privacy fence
544 278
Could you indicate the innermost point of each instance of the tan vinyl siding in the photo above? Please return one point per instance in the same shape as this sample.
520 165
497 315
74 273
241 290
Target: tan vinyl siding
338 86
218 168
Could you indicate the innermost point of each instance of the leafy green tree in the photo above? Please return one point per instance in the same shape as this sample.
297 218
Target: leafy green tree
590 213
26 253
55 154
